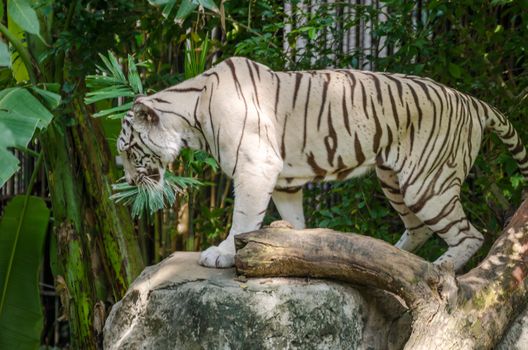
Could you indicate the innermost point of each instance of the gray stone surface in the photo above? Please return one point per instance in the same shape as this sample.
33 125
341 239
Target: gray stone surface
178 304
516 337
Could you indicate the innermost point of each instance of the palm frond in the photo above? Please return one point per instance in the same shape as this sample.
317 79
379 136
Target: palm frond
151 196
112 83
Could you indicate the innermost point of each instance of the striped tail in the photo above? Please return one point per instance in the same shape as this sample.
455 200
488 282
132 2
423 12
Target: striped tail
508 135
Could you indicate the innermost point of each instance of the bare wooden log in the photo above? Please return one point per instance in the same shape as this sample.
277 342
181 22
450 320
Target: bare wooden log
324 253
470 311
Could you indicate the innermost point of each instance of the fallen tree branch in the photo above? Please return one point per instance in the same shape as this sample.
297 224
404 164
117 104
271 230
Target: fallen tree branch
467 312
324 253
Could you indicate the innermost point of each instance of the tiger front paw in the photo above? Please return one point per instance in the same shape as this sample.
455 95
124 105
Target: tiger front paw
217 257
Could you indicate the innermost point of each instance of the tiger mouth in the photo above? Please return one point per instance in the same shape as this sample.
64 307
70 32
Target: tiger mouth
151 177
154 174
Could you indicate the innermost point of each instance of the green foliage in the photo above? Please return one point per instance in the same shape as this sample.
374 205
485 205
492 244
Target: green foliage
352 206
196 56
24 15
21 114
152 197
185 9
111 83
5 56
22 231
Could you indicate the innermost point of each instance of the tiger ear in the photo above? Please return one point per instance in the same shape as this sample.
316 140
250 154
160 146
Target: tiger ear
138 97
145 113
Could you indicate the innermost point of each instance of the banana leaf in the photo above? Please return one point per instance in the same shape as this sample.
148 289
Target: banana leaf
22 231
21 114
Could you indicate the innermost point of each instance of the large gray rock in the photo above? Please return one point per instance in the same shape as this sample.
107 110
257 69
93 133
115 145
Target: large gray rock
178 304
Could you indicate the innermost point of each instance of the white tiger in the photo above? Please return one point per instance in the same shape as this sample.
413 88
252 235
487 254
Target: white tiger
273 132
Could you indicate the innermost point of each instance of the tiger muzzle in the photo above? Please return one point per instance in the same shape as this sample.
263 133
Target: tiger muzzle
144 175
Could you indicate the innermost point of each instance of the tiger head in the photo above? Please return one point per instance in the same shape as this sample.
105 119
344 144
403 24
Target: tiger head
147 143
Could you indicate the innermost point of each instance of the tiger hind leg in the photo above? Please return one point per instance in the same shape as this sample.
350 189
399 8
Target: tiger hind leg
416 232
445 216
289 204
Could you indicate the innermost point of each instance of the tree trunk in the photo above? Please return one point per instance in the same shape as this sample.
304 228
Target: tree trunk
111 225
73 280
470 311
97 252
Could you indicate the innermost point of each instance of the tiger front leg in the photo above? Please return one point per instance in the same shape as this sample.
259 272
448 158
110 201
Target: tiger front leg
253 182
